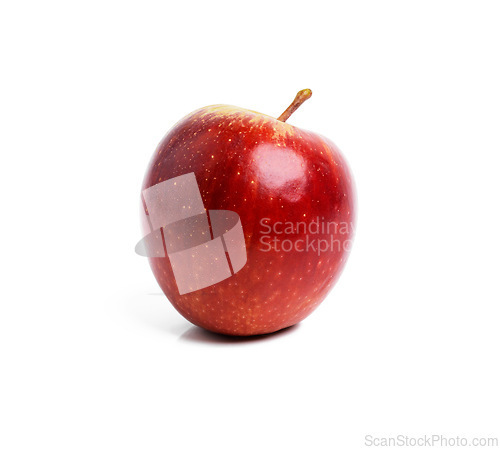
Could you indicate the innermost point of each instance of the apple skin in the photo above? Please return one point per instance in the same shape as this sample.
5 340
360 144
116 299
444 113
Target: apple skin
261 168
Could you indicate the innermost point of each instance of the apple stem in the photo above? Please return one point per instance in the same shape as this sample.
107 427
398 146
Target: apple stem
300 98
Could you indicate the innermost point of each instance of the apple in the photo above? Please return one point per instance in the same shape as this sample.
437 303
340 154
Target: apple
293 192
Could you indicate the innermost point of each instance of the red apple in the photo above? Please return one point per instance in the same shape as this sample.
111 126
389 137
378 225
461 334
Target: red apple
294 194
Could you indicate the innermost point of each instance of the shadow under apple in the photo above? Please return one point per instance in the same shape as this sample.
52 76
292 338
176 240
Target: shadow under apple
196 334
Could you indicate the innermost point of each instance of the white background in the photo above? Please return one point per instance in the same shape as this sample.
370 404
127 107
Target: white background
92 356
